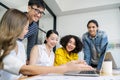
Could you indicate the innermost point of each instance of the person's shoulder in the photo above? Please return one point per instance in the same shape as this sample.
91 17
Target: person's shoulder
85 35
41 46
33 24
60 50
35 46
20 43
10 56
102 33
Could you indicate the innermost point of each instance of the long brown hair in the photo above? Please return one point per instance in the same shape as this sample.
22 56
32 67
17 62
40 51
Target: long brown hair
11 26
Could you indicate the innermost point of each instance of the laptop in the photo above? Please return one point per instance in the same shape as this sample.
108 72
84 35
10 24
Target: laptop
93 73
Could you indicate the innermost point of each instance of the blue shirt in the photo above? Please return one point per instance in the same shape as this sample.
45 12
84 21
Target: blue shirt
31 37
100 43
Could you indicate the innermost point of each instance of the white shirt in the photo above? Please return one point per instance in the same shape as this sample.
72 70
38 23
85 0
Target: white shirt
43 58
13 62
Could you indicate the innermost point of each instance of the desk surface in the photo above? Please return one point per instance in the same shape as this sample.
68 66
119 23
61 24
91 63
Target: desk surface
63 77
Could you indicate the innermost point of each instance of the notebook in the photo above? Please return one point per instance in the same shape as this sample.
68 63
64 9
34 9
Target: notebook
94 73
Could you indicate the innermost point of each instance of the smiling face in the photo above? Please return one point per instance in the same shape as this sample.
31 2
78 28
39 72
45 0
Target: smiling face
52 40
71 45
92 29
35 13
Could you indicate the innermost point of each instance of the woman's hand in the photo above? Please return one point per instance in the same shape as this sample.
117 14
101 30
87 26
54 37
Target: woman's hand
78 65
79 61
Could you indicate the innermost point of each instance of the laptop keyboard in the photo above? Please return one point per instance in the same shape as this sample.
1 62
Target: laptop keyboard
88 72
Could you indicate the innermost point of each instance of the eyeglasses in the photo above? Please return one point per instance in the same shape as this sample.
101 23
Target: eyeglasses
38 11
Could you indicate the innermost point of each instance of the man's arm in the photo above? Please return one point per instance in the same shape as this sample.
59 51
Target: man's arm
86 50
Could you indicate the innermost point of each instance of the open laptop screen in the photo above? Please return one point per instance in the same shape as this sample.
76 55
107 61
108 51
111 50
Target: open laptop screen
86 73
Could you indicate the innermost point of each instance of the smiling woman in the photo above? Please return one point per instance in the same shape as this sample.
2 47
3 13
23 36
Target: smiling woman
14 24
46 23
95 44
71 45
43 54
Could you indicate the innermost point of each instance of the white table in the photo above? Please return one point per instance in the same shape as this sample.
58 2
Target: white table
63 77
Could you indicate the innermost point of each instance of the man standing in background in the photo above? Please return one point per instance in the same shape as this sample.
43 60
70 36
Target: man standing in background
95 44
36 10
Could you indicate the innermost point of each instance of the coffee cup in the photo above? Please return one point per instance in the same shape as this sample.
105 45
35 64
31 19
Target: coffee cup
107 67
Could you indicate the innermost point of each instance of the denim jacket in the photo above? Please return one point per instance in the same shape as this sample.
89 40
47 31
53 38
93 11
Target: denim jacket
101 44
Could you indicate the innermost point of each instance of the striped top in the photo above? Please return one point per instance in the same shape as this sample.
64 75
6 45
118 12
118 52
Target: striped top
31 37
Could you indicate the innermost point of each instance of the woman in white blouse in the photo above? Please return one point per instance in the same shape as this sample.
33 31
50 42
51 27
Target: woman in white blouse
43 54
14 25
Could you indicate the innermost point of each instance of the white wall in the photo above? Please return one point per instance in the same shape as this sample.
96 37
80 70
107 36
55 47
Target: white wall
76 24
109 21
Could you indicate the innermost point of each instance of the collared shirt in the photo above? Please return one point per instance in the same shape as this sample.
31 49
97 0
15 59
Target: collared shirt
100 42
62 56
31 37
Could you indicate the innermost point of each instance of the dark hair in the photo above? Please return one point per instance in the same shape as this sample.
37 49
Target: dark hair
64 41
38 3
49 33
93 21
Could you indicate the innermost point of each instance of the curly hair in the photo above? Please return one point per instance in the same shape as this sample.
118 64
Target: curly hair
64 41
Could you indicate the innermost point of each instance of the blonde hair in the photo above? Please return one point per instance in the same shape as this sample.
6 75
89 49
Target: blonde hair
11 26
